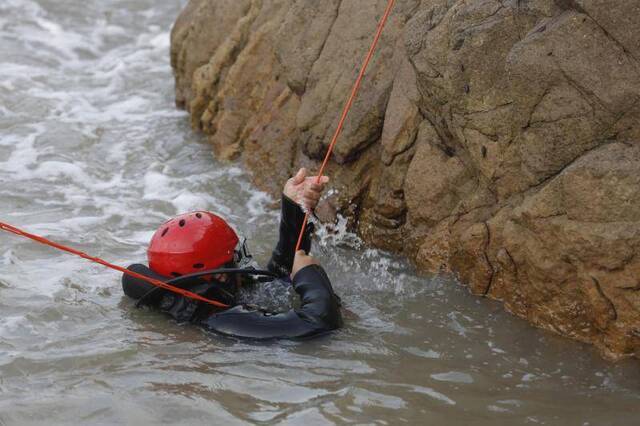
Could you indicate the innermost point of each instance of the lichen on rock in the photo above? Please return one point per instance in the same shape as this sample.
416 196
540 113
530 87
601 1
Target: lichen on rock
497 139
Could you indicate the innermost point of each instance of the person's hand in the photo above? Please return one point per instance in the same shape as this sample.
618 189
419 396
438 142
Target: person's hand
300 261
304 190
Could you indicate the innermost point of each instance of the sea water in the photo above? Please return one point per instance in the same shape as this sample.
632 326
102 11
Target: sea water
94 154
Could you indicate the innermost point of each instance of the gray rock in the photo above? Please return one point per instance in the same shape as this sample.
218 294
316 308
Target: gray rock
497 139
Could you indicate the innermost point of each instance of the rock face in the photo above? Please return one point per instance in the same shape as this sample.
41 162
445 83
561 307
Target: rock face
496 139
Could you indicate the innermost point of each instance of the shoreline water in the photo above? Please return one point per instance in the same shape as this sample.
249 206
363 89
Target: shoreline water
93 153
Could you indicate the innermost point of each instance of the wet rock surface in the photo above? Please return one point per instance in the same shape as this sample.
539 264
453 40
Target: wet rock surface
496 139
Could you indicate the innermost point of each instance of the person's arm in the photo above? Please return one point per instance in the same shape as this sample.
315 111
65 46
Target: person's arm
299 191
291 220
179 307
319 312
136 288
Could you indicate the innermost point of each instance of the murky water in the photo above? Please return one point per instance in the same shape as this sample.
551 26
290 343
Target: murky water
93 154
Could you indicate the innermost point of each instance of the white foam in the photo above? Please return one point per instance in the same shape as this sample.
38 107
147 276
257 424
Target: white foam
433 394
54 170
186 202
8 258
453 376
10 324
156 185
258 205
160 41
24 154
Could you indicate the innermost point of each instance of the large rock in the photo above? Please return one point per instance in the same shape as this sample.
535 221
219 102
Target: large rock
496 139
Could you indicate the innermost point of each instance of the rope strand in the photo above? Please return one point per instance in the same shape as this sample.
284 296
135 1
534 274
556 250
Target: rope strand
157 283
347 107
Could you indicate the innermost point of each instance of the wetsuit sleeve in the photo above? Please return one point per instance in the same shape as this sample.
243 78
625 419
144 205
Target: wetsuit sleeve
319 312
178 307
291 220
135 288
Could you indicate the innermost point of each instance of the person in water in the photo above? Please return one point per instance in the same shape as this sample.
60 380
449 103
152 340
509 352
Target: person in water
200 252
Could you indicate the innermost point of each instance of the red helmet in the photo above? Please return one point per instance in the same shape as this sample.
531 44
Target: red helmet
190 243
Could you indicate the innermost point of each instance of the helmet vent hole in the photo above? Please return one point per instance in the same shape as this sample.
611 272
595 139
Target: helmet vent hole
198 265
164 232
182 222
199 215
175 274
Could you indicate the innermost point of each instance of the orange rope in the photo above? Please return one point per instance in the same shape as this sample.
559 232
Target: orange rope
347 106
157 283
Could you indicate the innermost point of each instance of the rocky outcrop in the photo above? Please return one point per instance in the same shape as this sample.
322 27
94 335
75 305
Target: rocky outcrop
496 139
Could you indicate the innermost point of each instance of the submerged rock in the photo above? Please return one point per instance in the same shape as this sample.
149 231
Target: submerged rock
496 139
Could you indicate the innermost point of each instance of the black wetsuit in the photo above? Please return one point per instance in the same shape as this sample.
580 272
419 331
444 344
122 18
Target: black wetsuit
319 311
